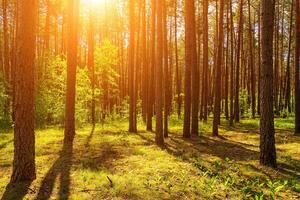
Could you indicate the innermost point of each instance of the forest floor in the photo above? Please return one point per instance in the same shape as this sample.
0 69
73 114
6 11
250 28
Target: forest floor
109 163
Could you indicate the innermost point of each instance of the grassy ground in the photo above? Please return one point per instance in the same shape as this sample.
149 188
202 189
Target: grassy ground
110 163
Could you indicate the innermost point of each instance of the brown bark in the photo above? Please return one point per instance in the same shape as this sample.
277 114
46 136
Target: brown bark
267 132
288 73
24 137
238 61
132 120
251 64
297 66
190 62
73 12
159 137
152 68
192 50
217 100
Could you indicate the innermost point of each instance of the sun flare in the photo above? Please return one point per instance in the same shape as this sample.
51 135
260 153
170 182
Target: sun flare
94 2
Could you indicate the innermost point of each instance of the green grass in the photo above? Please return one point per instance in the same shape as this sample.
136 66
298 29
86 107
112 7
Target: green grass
110 163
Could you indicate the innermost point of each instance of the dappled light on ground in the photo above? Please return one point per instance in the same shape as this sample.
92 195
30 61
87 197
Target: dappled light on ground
108 163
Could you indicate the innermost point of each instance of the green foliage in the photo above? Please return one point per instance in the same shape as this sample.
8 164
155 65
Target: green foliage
51 91
50 98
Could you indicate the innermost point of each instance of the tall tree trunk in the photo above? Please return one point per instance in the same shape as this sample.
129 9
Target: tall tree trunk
238 61
73 12
178 74
259 60
166 70
190 62
267 132
231 65
217 101
159 138
205 60
24 137
251 60
192 50
151 90
288 73
132 120
145 72
297 66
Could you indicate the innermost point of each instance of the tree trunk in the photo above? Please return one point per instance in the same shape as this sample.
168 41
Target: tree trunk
24 137
152 68
267 132
190 62
205 60
159 138
73 12
238 61
132 120
297 66
288 74
217 101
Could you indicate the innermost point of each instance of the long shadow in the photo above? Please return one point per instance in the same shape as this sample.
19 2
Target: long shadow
5 144
222 148
61 167
16 191
89 138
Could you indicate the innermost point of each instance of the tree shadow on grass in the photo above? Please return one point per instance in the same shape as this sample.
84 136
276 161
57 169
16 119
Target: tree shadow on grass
17 191
90 137
61 168
2 146
219 147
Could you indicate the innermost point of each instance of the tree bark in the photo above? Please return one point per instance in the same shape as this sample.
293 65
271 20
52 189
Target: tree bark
217 101
132 116
267 132
159 137
73 12
190 62
297 66
24 137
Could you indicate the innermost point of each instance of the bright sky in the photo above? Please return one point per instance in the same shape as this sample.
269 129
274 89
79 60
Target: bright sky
94 1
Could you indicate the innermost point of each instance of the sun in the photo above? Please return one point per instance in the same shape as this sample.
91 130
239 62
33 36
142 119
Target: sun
94 2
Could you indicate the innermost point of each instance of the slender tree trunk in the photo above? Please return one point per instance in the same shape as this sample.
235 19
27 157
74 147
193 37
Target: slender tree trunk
238 60
251 60
159 139
231 65
152 68
217 102
132 116
288 73
73 12
178 74
166 70
24 137
297 66
192 49
190 62
205 60
259 59
145 75
267 132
